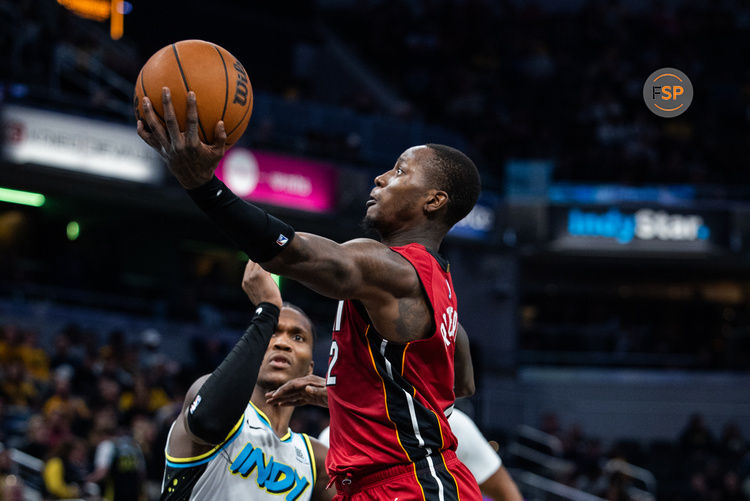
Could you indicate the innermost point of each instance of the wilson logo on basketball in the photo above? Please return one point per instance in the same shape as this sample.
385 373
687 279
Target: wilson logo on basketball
240 92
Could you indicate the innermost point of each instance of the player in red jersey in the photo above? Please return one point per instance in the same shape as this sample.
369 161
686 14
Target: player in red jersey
391 369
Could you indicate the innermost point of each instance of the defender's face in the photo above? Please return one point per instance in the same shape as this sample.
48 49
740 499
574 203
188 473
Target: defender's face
397 199
289 353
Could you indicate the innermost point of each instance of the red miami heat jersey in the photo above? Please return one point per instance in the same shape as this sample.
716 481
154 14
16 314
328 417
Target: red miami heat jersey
387 401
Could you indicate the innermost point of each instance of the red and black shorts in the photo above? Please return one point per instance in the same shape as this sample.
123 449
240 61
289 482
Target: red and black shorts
440 477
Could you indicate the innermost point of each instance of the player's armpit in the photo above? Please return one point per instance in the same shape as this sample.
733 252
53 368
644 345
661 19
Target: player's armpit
361 269
384 281
463 385
320 493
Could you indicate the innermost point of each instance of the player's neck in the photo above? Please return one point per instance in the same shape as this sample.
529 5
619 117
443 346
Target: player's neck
430 238
279 416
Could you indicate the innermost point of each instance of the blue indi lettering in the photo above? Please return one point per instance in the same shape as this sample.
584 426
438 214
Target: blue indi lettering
612 224
273 476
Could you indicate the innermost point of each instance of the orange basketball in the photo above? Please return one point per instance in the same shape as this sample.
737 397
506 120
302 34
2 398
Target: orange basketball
220 82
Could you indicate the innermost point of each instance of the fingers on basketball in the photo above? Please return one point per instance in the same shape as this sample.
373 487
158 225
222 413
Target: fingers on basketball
220 82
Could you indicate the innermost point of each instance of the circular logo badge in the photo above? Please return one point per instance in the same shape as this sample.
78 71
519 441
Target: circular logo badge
241 171
668 92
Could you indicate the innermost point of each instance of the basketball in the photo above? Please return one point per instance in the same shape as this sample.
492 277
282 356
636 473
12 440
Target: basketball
220 82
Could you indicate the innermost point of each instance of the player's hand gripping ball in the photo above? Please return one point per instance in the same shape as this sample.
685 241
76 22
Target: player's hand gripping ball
220 82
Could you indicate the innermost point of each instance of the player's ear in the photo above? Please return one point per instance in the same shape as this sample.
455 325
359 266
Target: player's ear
310 369
435 201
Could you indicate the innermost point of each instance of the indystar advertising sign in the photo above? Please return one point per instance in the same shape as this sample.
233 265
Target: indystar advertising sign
646 229
646 224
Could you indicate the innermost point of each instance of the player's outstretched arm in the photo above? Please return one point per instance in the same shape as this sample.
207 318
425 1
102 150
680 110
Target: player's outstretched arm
215 403
320 493
337 271
358 269
463 385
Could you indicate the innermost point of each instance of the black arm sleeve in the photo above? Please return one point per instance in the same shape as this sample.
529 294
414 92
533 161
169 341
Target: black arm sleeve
223 397
255 231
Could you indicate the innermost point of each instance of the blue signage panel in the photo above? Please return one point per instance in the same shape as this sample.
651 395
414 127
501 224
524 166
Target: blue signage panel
600 194
646 229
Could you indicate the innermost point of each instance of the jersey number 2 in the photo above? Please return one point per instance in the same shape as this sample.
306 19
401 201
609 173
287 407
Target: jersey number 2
334 354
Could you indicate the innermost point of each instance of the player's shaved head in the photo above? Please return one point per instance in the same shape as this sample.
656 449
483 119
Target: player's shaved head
454 173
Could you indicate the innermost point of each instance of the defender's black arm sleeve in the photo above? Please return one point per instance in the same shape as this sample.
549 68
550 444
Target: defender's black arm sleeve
223 397
255 231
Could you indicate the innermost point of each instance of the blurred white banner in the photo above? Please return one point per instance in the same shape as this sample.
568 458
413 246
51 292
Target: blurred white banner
77 144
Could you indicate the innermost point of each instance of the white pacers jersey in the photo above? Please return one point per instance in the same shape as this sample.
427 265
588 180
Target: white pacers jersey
473 450
251 464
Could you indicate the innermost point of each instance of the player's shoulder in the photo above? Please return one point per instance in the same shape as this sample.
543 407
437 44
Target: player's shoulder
369 251
365 244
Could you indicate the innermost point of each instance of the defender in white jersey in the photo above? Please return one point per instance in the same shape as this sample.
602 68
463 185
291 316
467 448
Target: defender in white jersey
228 443
482 460
254 463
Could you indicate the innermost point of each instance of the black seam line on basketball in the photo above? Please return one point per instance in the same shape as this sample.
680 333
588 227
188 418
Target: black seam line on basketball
143 88
187 88
226 81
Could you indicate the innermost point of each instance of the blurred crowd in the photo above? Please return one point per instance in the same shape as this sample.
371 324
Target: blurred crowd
698 466
517 79
546 79
62 405
46 47
695 334
96 414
